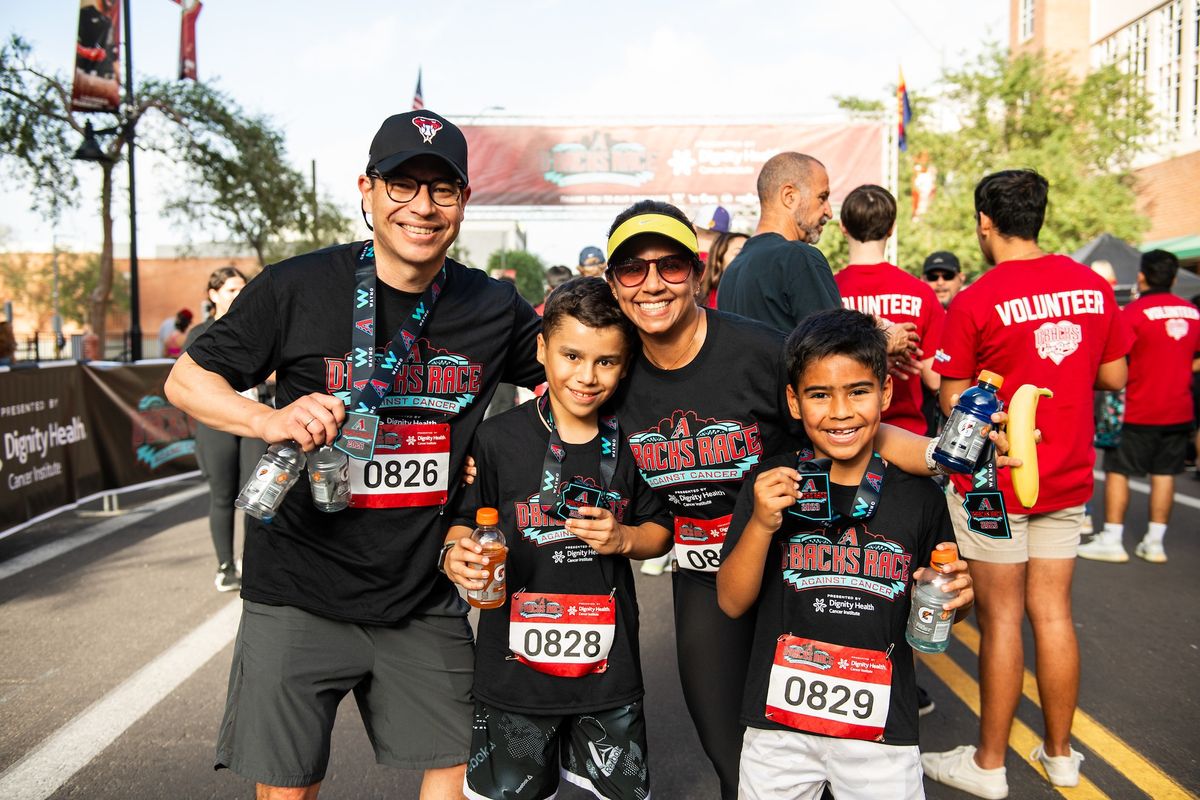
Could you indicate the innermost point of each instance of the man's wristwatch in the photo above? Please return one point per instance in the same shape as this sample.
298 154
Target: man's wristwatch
441 562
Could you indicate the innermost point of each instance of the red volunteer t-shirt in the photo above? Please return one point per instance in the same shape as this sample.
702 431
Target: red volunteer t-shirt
1166 336
1048 321
888 292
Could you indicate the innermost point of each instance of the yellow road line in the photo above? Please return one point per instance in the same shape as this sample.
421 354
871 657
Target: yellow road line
1140 771
1021 740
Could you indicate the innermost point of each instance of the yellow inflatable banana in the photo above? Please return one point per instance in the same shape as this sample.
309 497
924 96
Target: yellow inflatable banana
1022 419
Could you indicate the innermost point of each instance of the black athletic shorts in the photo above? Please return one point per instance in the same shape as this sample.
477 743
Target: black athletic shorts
1153 449
522 756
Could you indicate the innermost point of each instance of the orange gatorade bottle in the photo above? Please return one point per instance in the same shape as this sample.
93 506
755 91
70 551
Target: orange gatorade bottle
491 539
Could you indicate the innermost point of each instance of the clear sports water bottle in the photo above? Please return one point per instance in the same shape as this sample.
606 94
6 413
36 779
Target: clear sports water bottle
964 438
491 539
275 474
329 478
929 623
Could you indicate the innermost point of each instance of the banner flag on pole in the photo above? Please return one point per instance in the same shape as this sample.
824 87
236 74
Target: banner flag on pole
187 38
97 84
418 95
905 113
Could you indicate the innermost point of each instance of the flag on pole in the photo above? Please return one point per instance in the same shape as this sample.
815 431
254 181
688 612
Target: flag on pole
418 95
904 112
97 84
187 38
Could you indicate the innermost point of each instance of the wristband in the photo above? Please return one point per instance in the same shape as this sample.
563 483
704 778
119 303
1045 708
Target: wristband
930 464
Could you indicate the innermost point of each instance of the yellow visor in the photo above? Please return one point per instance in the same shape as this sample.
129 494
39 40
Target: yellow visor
661 224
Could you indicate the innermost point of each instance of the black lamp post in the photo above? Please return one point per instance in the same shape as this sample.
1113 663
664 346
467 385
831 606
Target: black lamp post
90 151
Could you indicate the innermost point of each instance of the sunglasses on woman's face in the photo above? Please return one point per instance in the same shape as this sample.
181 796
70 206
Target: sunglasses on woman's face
633 272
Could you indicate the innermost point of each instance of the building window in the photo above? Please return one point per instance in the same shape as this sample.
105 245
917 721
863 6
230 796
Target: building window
1025 20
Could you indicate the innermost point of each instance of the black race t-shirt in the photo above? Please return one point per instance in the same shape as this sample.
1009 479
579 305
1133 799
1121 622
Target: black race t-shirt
543 557
778 282
374 566
696 431
852 588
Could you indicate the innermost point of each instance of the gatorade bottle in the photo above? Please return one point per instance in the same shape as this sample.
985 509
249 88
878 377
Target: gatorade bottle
964 438
929 623
491 539
275 474
329 478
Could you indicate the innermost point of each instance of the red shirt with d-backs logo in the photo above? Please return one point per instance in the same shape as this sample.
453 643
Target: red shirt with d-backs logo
887 292
1052 322
1166 336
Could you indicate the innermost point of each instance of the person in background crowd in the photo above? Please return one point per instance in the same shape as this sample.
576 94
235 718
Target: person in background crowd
1158 410
8 344
227 461
353 601
175 342
1046 320
1196 412
710 222
555 277
724 250
944 275
591 262
780 277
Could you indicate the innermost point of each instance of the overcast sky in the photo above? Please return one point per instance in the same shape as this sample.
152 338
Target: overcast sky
328 72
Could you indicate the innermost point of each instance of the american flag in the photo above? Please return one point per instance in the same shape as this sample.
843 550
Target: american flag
418 95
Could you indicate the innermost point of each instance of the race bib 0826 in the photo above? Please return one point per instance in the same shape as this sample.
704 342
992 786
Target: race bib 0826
410 467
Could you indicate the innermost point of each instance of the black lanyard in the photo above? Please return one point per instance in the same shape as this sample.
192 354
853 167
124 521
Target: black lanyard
555 453
372 381
984 504
815 503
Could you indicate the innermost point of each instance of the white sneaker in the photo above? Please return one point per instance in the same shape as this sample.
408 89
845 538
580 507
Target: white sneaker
1087 526
1063 770
957 768
1151 551
655 566
1101 549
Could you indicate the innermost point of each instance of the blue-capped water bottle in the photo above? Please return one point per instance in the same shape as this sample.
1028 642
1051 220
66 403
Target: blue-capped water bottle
964 438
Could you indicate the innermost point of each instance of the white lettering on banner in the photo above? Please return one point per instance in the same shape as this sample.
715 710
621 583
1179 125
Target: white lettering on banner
1156 313
39 441
885 305
28 478
1049 306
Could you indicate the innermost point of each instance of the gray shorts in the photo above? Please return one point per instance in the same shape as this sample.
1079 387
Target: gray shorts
291 669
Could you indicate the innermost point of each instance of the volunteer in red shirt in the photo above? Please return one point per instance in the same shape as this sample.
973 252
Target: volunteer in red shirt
1047 320
873 286
1158 410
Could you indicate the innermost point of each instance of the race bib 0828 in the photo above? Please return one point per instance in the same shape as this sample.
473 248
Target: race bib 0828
568 635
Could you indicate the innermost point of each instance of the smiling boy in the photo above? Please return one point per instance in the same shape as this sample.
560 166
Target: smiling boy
558 681
828 543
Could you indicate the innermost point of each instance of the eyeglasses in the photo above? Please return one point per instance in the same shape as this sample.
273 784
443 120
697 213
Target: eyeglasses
633 271
934 277
403 189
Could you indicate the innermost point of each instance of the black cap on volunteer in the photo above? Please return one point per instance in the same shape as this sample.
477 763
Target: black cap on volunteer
942 261
590 256
417 133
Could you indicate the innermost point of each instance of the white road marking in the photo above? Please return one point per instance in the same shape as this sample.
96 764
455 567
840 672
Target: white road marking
93 532
1144 488
41 772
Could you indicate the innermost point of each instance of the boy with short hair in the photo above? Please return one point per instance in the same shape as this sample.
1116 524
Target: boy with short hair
828 542
558 681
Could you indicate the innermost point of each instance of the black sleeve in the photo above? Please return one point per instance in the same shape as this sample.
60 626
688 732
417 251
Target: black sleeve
742 512
938 527
243 346
644 505
522 367
794 437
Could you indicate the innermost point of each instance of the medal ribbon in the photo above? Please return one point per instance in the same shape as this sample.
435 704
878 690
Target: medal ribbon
371 381
866 498
984 504
556 452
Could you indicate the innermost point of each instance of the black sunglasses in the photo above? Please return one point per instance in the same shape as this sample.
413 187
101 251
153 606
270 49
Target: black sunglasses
633 272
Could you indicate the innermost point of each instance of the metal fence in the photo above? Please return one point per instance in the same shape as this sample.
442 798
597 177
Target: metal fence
47 346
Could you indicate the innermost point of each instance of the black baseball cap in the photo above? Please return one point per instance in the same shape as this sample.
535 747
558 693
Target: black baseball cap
942 261
417 133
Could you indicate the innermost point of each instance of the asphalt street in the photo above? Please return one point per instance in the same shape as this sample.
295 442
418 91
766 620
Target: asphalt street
116 652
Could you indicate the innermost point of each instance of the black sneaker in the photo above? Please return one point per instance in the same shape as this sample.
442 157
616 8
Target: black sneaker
925 704
228 579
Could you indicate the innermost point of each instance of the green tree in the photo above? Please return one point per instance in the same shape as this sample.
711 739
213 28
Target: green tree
1026 111
530 272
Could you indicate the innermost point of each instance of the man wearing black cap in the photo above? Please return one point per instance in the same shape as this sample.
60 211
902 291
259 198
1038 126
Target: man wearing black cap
592 262
399 348
944 276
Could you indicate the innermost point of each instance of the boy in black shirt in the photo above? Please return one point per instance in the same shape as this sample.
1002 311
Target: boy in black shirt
828 543
558 681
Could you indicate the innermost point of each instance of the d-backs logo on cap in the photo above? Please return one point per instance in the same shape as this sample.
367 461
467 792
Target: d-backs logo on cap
428 128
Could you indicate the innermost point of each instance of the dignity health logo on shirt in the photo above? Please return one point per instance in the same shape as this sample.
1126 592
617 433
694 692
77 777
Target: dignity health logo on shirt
683 448
434 380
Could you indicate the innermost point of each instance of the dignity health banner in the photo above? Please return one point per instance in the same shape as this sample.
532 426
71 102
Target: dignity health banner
97 85
71 432
683 164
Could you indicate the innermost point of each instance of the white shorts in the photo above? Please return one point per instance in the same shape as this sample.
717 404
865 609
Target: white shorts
789 765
